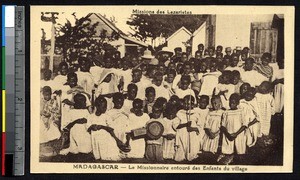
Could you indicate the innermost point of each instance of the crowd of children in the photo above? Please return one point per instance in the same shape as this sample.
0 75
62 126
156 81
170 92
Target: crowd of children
209 102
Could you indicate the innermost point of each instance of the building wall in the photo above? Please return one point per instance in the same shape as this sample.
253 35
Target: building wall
234 30
121 45
178 39
199 38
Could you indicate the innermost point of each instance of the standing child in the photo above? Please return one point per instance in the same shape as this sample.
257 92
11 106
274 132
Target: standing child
47 81
85 78
137 119
212 126
103 144
202 110
187 134
225 88
136 79
184 88
61 79
233 127
236 80
266 106
159 87
154 147
150 100
168 81
169 132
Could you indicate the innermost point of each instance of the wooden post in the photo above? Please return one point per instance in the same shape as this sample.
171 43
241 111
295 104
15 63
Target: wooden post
52 47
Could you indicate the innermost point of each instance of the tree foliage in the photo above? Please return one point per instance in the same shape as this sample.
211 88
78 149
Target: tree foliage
153 26
81 40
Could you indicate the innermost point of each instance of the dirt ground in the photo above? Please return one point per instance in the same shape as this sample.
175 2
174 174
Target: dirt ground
260 154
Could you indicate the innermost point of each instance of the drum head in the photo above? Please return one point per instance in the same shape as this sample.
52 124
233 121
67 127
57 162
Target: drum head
155 130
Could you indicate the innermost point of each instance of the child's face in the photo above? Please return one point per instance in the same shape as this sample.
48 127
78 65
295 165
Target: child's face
118 103
248 96
132 93
198 55
152 72
184 58
210 52
170 78
150 97
125 66
171 115
107 78
243 56
185 84
203 67
203 103
244 88
156 112
265 61
173 101
187 69
235 61
84 66
228 53
235 80
72 81
187 104
248 65
216 104
219 49
137 108
118 64
47 96
158 80
233 103
136 76
64 70
227 61
171 66
188 50
134 62
200 48
47 76
226 79
213 66
161 69
117 55
101 108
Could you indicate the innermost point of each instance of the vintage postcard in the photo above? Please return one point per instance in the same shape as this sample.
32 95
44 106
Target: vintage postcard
162 89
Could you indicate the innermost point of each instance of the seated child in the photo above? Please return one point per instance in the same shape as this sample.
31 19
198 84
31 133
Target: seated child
212 126
61 79
49 125
264 68
76 124
169 132
202 110
154 147
233 128
150 100
131 95
137 119
158 86
250 75
119 120
85 78
266 107
102 138
187 131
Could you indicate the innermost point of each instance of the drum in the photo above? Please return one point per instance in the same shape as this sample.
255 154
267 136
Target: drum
155 130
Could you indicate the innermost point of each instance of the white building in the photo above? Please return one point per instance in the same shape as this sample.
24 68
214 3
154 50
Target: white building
179 38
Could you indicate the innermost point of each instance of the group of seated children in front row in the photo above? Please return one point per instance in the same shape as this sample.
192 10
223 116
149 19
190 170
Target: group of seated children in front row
202 106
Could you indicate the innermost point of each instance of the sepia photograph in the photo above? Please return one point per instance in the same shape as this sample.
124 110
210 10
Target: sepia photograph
162 89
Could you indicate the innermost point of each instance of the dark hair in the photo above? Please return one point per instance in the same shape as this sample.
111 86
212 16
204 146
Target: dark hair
132 86
184 53
47 89
189 97
80 99
82 59
136 70
99 100
266 55
235 73
158 73
46 71
160 101
149 90
171 71
219 46
118 95
235 96
185 77
72 74
170 109
137 101
250 59
234 55
227 57
204 97
63 64
200 45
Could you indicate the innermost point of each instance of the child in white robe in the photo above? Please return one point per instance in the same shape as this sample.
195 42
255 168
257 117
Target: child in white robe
168 81
202 110
131 95
233 128
184 88
136 79
278 82
47 81
225 88
80 139
169 132
266 106
150 99
187 131
100 126
85 78
251 76
137 119
158 86
212 126
61 79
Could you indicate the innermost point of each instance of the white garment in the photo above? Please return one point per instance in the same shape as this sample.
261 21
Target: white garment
253 77
278 90
266 108
209 82
161 91
86 80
